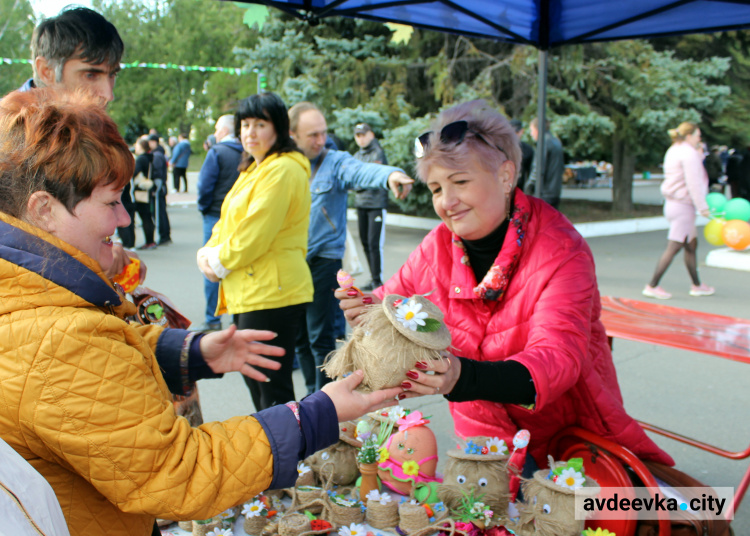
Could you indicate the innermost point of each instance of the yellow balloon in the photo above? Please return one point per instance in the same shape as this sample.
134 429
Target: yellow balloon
713 232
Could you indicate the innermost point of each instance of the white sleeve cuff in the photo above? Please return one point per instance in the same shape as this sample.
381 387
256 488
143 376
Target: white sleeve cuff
212 256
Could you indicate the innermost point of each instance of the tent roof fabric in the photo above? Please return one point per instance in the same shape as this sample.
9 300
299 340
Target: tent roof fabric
540 23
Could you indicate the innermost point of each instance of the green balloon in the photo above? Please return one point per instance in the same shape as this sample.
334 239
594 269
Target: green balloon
716 202
737 209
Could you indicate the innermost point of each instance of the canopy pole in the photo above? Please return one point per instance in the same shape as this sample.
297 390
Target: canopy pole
541 114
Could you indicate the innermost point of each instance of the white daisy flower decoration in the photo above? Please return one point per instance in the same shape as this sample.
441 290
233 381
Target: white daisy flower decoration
410 314
253 509
374 495
496 446
302 468
385 498
221 532
396 413
352 530
570 478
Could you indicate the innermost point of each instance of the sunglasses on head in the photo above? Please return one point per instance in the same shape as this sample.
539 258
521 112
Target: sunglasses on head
451 133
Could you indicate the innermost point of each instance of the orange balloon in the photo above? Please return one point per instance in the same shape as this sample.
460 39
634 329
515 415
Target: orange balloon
736 234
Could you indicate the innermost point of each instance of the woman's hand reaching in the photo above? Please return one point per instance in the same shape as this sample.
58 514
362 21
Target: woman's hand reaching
437 377
351 404
232 350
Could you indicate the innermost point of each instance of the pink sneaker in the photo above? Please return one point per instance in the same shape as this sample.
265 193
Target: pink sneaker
701 290
656 292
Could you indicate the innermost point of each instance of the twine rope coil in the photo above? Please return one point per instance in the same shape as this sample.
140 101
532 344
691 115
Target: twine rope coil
294 525
382 516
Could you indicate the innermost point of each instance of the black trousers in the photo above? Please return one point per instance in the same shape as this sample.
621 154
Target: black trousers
160 209
144 211
179 174
127 234
372 235
285 321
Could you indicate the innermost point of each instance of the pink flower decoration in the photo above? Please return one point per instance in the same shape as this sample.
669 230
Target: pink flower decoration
411 420
469 528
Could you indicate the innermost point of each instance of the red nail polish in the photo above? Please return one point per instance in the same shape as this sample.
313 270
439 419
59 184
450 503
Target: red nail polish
421 365
367 300
351 293
401 396
413 375
405 385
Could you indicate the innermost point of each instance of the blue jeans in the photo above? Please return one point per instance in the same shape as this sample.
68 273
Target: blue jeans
211 290
315 339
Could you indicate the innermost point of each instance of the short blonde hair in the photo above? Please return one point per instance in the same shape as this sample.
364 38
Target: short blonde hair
485 123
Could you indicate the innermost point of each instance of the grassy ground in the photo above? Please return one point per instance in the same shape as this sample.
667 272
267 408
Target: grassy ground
580 211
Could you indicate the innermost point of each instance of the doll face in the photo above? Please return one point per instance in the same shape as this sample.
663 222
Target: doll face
548 513
412 454
487 481
341 459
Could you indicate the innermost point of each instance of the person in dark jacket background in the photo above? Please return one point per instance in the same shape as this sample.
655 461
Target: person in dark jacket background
217 176
371 204
554 166
527 154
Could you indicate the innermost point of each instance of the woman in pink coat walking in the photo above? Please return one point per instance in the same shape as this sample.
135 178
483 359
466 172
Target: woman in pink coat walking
684 189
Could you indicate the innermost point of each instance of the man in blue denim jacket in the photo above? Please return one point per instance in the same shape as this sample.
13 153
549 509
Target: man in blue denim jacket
333 174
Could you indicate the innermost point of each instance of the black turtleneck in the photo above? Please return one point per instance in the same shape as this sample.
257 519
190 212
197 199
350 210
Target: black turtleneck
506 382
483 251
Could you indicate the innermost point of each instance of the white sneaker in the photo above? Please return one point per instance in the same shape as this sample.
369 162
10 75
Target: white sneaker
656 292
702 290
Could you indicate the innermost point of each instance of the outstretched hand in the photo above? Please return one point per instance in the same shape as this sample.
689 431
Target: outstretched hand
232 350
437 377
351 404
400 184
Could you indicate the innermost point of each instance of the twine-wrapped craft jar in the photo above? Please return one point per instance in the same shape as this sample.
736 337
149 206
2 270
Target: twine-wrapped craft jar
254 525
201 528
294 525
346 515
382 516
185 525
412 517
385 346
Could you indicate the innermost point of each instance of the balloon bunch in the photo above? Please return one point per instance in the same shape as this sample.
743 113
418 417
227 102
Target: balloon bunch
729 221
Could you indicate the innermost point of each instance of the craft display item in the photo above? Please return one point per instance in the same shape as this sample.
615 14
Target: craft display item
257 515
338 463
202 528
549 508
412 517
409 457
308 497
294 525
382 510
306 476
345 511
477 472
389 340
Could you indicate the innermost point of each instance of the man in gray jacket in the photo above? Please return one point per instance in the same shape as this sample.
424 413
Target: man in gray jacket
333 173
554 166
371 204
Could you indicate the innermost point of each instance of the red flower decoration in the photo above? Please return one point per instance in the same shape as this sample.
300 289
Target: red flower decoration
485 450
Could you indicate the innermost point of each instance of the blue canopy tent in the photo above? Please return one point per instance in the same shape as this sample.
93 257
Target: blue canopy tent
543 24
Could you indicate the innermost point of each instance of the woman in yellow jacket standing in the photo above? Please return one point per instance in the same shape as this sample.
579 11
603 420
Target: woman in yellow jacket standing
258 247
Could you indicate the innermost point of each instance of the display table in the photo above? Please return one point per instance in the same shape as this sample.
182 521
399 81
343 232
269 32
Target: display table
722 336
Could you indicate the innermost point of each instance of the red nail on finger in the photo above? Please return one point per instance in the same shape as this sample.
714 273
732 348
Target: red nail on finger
413 375
401 396
351 293
405 385
367 300
421 365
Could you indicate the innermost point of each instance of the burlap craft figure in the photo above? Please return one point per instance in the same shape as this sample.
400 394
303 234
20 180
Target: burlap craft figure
549 501
339 461
391 338
473 477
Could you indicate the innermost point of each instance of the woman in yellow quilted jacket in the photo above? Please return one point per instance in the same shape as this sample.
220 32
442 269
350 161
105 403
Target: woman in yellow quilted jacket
257 249
82 395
